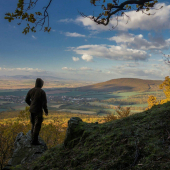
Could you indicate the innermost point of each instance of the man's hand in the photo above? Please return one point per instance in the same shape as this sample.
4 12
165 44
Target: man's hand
46 114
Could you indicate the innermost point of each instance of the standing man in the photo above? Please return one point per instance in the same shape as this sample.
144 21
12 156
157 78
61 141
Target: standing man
36 99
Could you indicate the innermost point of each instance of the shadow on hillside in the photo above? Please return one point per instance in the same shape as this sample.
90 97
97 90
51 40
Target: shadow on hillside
113 88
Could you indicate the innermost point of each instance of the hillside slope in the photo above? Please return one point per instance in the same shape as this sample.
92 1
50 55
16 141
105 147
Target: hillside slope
124 84
140 141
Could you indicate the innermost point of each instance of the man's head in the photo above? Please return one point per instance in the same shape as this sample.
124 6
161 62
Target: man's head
39 83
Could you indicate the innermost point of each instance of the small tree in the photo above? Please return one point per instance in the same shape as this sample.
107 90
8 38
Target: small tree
110 117
123 111
152 101
166 86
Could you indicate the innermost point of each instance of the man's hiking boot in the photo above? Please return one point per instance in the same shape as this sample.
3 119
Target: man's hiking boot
35 143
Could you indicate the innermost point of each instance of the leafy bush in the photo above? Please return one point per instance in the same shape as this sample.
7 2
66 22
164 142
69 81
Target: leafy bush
123 111
152 100
109 117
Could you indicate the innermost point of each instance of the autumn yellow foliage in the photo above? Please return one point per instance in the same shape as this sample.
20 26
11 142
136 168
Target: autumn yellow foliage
166 86
53 130
152 100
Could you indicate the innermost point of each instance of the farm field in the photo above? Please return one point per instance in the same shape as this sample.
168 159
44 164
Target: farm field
56 106
14 84
76 101
77 111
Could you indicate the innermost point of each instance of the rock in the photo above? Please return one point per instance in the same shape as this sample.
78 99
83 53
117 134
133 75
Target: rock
24 152
74 132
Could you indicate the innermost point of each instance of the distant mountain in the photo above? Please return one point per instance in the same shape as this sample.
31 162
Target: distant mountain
23 77
124 84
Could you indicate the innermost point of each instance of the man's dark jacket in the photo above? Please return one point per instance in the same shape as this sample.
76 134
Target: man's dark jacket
36 98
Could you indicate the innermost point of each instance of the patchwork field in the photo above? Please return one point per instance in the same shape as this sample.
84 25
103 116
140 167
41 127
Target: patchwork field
87 100
72 100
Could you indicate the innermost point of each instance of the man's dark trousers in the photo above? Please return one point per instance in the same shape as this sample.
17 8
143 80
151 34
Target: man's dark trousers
36 121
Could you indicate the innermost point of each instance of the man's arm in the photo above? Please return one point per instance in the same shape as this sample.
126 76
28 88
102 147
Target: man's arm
28 99
44 104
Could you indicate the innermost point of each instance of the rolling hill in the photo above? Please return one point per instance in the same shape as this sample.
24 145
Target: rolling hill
124 84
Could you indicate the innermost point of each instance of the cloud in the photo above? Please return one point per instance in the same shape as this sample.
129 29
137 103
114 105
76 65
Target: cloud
91 25
74 34
123 38
132 64
34 37
67 20
86 68
148 72
110 52
23 69
138 20
87 57
82 69
64 68
69 69
75 58
145 71
138 42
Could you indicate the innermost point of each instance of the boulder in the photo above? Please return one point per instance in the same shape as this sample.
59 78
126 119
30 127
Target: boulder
24 152
74 132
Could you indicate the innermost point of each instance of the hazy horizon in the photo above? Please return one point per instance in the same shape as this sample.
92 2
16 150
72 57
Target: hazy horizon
77 48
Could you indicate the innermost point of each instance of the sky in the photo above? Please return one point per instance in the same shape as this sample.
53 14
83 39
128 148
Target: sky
79 49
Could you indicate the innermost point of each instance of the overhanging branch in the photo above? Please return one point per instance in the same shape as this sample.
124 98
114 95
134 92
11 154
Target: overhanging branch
115 9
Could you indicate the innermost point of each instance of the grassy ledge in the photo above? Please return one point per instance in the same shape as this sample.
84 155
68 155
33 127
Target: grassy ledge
140 141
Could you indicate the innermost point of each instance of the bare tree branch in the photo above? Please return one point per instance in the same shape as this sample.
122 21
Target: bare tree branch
114 9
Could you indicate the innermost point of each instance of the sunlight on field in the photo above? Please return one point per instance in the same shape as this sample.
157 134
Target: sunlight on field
126 94
56 106
100 104
77 111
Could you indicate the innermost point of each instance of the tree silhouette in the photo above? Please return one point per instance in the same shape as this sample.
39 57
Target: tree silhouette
109 9
118 9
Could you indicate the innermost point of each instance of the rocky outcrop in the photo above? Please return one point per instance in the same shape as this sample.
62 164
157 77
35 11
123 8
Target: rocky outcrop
24 152
74 132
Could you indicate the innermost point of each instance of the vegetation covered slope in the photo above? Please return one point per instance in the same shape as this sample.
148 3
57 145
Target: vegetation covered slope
140 141
125 84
